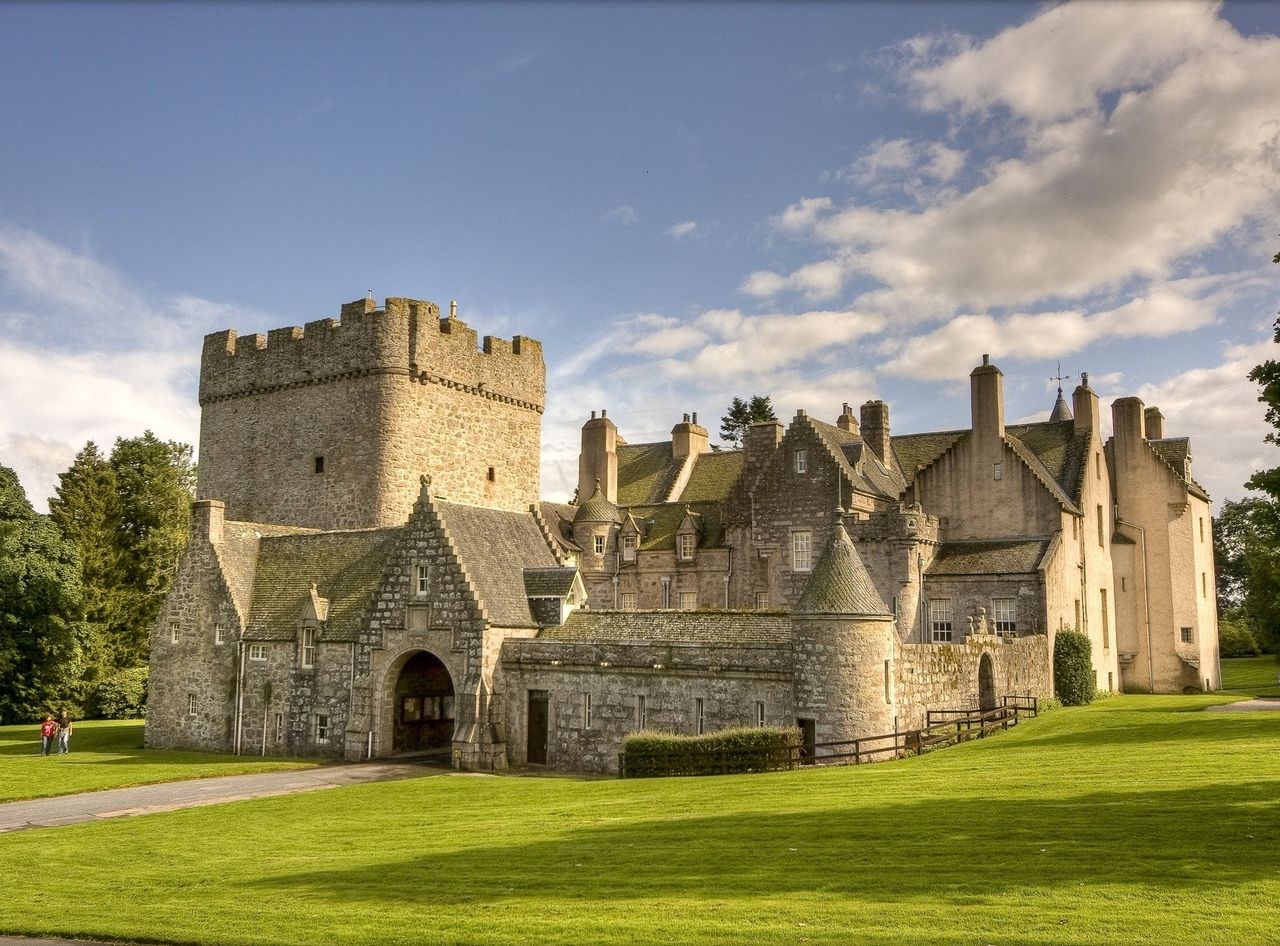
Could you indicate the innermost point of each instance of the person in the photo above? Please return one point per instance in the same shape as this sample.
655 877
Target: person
48 729
64 733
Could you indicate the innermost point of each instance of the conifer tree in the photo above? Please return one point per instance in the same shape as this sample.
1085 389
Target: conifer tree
742 414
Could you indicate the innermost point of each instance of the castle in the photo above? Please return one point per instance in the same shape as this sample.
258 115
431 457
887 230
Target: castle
372 571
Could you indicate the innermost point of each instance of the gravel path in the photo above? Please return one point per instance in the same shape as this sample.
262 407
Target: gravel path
170 796
1262 703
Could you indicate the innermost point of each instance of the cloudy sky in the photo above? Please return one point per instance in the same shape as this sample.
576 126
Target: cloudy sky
823 203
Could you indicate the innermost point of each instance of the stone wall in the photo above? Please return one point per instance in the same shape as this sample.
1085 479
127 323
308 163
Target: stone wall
381 396
945 676
844 674
897 545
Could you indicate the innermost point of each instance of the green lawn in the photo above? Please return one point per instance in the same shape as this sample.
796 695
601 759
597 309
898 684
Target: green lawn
1254 675
107 754
1136 820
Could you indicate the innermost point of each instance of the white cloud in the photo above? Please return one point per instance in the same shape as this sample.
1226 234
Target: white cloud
625 215
682 229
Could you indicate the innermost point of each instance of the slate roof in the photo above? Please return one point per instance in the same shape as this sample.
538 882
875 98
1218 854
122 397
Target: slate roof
713 476
1176 452
860 465
559 521
1022 556
676 627
645 472
913 452
345 566
597 509
546 611
659 523
548 582
1061 410
495 546
840 583
238 555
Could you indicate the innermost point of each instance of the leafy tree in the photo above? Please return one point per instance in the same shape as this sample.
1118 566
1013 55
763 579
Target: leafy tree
1267 374
742 414
41 636
1248 551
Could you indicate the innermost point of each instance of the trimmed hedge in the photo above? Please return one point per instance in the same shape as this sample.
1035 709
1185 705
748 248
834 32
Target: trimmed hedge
646 754
1073 678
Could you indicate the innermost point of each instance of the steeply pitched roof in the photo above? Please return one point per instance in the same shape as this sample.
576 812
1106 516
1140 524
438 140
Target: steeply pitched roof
238 555
1061 410
914 452
597 508
988 558
859 464
693 627
645 472
495 546
659 523
548 582
840 583
559 521
346 568
1176 453
713 476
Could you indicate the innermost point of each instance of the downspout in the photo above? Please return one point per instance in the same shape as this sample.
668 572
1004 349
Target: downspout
617 568
239 695
920 606
727 577
1146 601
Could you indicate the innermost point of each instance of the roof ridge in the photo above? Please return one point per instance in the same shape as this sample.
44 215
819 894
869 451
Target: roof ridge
1039 470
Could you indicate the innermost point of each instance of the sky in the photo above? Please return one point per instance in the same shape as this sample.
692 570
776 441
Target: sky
824 203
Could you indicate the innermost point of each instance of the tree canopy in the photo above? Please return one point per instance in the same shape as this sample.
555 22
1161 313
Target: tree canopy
742 414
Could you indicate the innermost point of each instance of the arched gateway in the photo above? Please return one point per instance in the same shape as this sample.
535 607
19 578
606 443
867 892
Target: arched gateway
986 683
423 708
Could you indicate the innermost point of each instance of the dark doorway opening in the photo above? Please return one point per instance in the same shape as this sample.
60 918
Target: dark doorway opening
424 706
986 683
538 718
808 740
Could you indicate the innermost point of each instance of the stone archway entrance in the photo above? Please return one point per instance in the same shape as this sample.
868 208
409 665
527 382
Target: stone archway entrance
986 683
423 709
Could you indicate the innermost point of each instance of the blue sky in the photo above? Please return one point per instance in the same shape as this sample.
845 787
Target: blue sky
823 202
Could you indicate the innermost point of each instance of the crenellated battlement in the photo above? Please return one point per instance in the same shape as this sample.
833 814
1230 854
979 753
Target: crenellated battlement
405 337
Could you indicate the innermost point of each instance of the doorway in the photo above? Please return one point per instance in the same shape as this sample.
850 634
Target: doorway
538 718
424 706
986 683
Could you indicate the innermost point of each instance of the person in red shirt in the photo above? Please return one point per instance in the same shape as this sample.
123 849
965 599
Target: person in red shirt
48 731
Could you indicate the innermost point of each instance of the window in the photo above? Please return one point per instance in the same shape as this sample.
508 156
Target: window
586 711
997 471
1106 621
422 583
699 717
279 726
939 619
688 601
687 544
191 704
319 465
219 633
322 727
257 651
762 601
1204 585
1186 635
801 554
628 548
1101 529
308 647
174 633
1097 465
759 712
628 601
666 592
802 461
1202 528
1004 613
1124 583
1079 623
598 544
493 475
642 712
888 681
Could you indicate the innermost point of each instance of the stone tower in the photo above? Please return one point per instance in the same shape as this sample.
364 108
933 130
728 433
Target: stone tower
330 425
843 642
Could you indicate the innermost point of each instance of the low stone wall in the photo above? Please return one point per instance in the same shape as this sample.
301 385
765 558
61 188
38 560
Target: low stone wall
945 676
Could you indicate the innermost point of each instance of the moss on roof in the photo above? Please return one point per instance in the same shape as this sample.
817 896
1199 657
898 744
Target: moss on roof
660 521
597 508
549 582
914 452
840 583
1062 451
645 472
676 627
988 558
345 566
713 476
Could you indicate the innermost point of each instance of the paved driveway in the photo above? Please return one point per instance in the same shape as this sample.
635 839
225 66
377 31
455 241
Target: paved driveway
170 796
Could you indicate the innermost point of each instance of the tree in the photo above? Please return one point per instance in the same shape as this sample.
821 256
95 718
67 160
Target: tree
41 635
742 414
1267 374
1247 552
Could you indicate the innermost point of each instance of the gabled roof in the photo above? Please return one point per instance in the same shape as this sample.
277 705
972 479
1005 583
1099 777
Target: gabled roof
1176 453
559 521
713 476
549 582
645 472
346 568
237 553
860 466
1013 556
914 452
840 583
495 546
660 522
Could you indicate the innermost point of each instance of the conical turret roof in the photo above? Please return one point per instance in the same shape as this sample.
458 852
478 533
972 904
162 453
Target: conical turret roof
597 509
840 583
1061 411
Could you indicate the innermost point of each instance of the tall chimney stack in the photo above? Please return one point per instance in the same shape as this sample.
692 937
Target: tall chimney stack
599 458
986 388
1084 403
875 430
688 437
1154 423
846 420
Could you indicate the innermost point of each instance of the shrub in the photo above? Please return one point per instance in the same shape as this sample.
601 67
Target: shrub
1073 679
1235 638
719 753
123 695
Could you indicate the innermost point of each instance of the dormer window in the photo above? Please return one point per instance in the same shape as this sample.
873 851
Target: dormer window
802 461
628 548
308 646
688 542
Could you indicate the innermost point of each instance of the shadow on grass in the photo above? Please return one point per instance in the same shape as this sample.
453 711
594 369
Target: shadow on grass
955 851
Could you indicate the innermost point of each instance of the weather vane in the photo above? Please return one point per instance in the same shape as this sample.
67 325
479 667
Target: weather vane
1060 377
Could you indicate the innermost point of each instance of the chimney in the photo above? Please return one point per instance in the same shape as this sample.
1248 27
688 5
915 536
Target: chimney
986 391
1128 424
846 420
1084 404
599 458
689 437
207 516
761 441
1154 423
875 430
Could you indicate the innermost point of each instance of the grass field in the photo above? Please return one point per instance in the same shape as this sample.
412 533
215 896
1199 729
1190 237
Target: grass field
1135 820
107 754
1255 675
